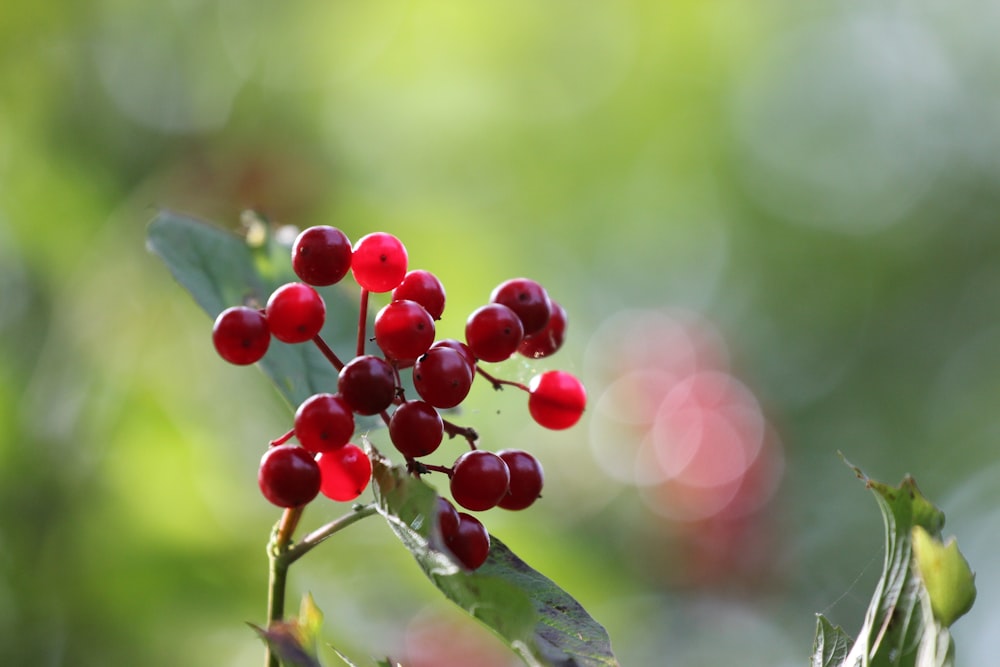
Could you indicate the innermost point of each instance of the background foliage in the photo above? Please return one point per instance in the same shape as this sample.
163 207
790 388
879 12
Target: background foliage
816 183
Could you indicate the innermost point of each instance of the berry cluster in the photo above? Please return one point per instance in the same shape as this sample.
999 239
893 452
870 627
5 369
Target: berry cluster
520 318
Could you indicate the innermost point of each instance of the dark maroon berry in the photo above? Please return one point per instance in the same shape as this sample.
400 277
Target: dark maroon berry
404 330
416 429
324 422
471 543
345 473
424 288
288 476
526 298
442 377
379 262
240 335
321 255
447 518
525 479
479 480
556 399
295 313
459 346
367 384
493 332
547 341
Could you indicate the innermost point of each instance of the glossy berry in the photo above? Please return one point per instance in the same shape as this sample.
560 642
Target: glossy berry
324 422
321 255
525 479
288 476
493 332
345 473
379 262
470 543
241 335
526 298
447 518
547 341
460 347
367 384
295 313
424 288
404 330
416 429
556 399
479 480
442 377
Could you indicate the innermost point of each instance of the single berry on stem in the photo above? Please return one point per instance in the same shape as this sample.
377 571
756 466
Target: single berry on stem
556 399
368 384
321 255
549 339
345 473
470 543
241 335
288 476
295 313
442 377
424 288
526 479
379 262
404 330
324 422
479 480
416 429
493 332
527 298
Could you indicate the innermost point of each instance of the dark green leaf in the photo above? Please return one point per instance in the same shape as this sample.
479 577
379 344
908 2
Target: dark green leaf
536 618
831 645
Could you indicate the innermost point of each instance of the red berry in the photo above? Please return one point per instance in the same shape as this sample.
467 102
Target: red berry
321 255
324 422
416 429
556 399
493 332
442 377
345 473
379 262
526 298
459 346
479 480
288 476
424 288
525 479
241 335
547 341
447 518
470 543
404 330
295 313
367 384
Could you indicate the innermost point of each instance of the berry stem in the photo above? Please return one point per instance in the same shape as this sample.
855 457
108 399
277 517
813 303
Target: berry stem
498 384
362 322
282 439
313 539
281 538
466 432
327 352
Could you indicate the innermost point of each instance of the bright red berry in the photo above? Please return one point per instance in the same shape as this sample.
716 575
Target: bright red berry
556 399
416 429
288 476
324 422
470 543
442 377
345 473
547 341
240 335
295 313
321 255
379 262
527 298
479 480
404 330
493 332
368 384
424 288
525 479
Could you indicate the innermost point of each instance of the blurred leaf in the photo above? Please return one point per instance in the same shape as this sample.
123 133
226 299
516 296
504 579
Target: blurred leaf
221 269
536 618
902 628
285 640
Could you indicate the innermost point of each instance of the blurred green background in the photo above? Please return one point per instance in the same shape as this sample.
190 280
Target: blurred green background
804 197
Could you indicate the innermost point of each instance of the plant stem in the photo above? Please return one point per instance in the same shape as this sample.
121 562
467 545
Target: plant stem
310 541
362 321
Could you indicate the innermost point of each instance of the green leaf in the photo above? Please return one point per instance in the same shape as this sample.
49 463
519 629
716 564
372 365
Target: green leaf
902 627
536 618
295 641
221 269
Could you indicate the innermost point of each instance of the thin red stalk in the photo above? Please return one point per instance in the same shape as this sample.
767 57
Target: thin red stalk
498 384
362 322
327 352
282 439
